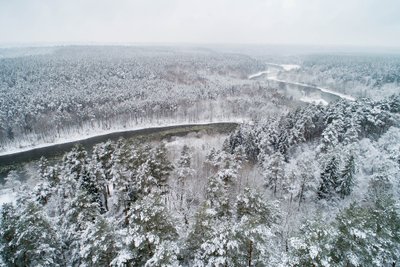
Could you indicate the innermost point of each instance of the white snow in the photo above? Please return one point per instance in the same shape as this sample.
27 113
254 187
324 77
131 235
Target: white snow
348 97
318 101
258 74
289 67
7 196
286 67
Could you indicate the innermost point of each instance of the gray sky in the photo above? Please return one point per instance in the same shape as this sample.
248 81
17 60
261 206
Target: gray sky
318 22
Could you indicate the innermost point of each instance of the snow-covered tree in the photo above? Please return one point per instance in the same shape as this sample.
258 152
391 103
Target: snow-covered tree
160 168
28 238
346 181
273 171
256 223
75 162
313 245
220 249
98 243
79 213
368 235
201 230
149 226
184 172
166 255
329 178
101 166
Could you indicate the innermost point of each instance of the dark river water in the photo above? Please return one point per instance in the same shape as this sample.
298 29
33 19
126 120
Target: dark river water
147 134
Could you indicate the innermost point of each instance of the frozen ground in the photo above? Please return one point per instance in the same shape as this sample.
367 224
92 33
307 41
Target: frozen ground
318 101
258 74
286 67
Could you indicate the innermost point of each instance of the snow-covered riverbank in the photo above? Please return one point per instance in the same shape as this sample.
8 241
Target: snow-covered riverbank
325 90
88 135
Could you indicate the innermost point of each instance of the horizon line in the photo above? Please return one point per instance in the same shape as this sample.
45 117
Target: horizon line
291 48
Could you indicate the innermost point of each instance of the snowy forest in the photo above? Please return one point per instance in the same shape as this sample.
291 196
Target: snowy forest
301 181
75 90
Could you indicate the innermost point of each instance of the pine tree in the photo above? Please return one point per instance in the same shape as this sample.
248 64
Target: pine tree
150 173
8 223
28 238
75 162
122 178
149 226
160 168
43 192
165 255
307 180
273 171
220 249
346 180
49 179
201 230
256 220
43 165
218 197
184 172
329 178
98 243
88 182
12 181
102 165
368 235
313 245
77 215
283 144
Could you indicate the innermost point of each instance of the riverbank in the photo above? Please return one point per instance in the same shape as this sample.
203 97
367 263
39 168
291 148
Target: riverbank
144 134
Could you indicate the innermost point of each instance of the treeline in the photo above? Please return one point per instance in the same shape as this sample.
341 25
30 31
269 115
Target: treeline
341 122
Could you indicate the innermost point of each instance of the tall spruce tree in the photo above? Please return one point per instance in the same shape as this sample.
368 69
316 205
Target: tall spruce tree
346 180
329 178
273 171
150 226
256 220
98 243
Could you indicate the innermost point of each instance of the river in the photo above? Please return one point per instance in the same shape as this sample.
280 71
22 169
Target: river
145 134
307 91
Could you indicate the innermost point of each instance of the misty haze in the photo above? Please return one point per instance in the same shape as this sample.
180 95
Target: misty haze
200 133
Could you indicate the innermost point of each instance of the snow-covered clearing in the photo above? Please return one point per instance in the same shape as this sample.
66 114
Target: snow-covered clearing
318 101
286 67
289 67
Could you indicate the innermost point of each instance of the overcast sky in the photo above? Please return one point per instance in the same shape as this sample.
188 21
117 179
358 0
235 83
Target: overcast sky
318 22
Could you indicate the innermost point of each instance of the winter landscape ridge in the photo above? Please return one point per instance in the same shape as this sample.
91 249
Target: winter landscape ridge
309 177
213 133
